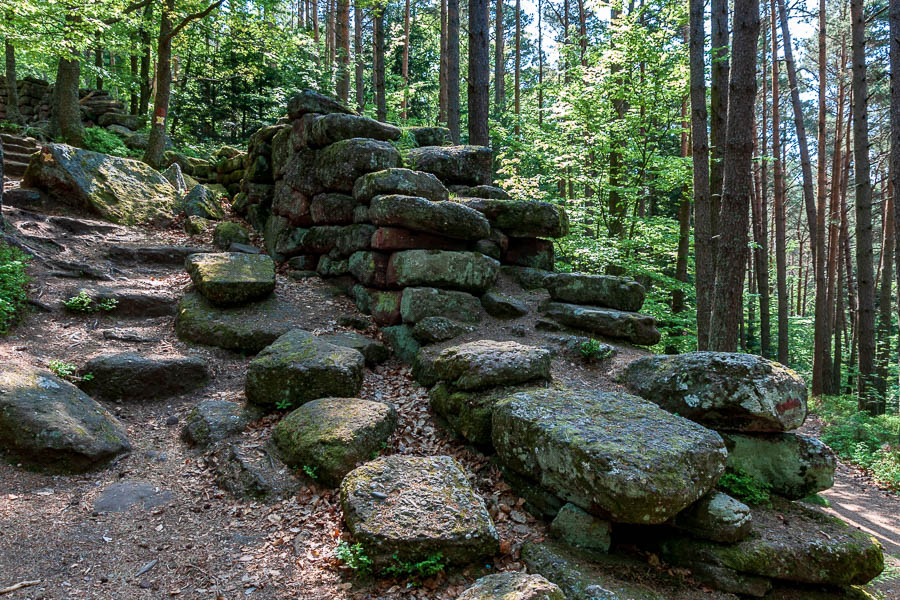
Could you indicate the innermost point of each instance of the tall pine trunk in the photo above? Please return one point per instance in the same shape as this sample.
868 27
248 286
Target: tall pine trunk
378 62
499 62
479 73
517 107
342 50
144 34
894 19
727 313
13 115
359 64
453 69
779 201
718 106
884 298
442 76
404 66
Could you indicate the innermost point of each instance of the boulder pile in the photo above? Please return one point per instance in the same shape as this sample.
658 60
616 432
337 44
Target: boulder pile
34 98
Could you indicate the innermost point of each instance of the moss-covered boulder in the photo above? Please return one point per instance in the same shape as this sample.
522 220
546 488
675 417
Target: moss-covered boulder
503 306
418 214
338 166
47 423
231 278
299 367
794 466
332 209
634 327
530 278
431 330
480 191
402 342
309 101
469 165
467 271
212 421
789 542
396 238
229 232
383 305
529 252
488 363
399 181
243 328
467 413
430 136
612 454
621 293
722 390
373 351
369 268
131 377
117 189
418 303
330 436
521 218
335 127
201 202
717 517
410 508
580 529
512 586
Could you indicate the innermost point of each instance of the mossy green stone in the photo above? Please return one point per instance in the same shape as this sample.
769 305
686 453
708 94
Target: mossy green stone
229 232
402 343
298 367
399 181
468 413
521 218
466 271
512 586
418 303
232 278
332 435
621 293
634 327
418 214
488 363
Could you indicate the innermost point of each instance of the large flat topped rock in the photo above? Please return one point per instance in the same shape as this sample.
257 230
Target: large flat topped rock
612 454
418 214
399 181
621 293
634 327
467 271
407 508
488 363
232 278
521 218
722 390
469 165
129 376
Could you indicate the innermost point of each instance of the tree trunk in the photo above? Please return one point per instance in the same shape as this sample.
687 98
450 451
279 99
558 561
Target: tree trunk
442 77
453 69
864 252
404 67
733 221
779 200
718 108
13 115
761 252
884 300
144 103
342 50
895 125
378 63
684 223
98 64
499 62
358 56
616 203
582 33
705 270
479 73
156 145
66 121
134 99
540 64
518 75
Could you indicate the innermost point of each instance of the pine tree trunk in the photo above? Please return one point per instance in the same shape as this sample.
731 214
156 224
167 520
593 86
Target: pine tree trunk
453 69
863 187
378 63
404 66
705 270
732 253
98 64
499 62
884 299
442 76
518 74
761 252
134 99
479 73
342 50
156 145
718 108
582 33
144 34
358 56
684 223
540 64
779 202
13 115
894 19
66 121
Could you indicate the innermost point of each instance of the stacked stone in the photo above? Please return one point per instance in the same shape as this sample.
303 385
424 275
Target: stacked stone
256 187
97 103
34 98
229 171
199 169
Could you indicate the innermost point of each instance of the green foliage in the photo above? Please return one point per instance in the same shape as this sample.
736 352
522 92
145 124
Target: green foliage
592 350
817 499
83 303
354 557
311 472
63 369
406 143
416 571
99 139
7 127
283 404
743 486
13 282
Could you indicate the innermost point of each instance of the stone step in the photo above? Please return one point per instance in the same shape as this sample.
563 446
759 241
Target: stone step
11 138
14 168
17 156
20 146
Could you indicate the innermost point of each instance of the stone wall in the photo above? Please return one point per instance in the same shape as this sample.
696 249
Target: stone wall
34 99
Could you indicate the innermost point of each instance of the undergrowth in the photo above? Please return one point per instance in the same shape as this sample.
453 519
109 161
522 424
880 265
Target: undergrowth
741 485
100 140
872 443
13 282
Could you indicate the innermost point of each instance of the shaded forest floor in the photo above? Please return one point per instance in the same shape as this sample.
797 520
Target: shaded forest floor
201 543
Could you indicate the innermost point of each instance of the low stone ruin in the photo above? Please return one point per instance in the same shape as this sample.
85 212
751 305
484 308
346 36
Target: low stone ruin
34 98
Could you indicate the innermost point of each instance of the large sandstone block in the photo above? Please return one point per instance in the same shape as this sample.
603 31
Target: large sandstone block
335 127
521 218
467 271
309 101
512 586
469 165
132 377
621 293
232 278
418 303
395 238
612 454
399 181
633 327
722 390
529 252
487 363
338 166
418 214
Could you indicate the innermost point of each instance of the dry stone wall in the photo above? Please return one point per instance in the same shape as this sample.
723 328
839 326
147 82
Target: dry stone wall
34 98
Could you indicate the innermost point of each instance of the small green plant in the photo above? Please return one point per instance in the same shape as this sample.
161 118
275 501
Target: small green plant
743 486
63 369
406 143
592 350
283 404
83 303
354 557
13 282
99 139
10 127
311 472
416 571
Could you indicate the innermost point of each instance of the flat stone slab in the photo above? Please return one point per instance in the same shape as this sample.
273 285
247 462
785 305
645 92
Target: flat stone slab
399 181
129 302
299 367
466 271
127 495
512 586
469 165
448 219
213 421
158 255
795 466
335 127
48 423
244 328
407 508
722 390
488 363
251 472
232 278
789 542
717 517
330 436
621 293
503 306
431 330
129 376
467 413
373 351
612 454
418 303
521 218
634 327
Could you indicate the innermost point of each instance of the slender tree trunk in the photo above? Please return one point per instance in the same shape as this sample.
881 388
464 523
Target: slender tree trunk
884 301
718 107
442 77
134 98
540 64
479 73
98 64
359 73
894 19
499 62
705 269
733 219
157 142
616 203
582 33
378 63
13 115
453 69
762 251
838 326
684 221
779 201
518 74
821 330
144 34
404 66
342 50
864 252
